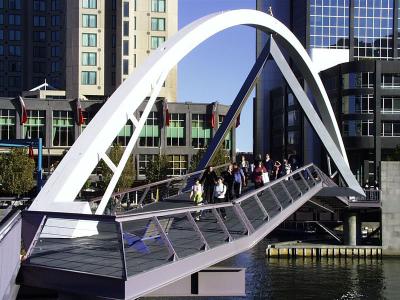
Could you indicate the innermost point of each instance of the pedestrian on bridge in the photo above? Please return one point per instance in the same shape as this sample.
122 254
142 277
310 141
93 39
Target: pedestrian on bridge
269 164
238 180
259 170
219 195
197 194
208 180
277 170
228 181
245 166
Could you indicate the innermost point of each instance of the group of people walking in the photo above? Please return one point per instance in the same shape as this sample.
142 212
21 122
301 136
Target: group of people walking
216 189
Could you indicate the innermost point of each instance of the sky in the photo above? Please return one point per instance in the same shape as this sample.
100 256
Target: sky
216 69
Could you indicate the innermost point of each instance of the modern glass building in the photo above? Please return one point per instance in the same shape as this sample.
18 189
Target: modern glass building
55 121
355 45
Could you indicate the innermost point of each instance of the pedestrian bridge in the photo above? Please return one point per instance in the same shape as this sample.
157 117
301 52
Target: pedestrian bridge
71 249
131 255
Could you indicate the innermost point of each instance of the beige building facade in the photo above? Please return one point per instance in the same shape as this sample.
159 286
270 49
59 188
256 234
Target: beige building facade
85 47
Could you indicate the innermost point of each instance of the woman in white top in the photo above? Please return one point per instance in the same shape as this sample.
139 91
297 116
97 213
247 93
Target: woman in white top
219 194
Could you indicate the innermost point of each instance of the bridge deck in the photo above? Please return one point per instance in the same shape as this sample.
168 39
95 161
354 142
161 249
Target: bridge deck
162 242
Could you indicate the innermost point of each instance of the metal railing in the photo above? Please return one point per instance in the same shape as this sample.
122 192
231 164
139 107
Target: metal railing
371 195
153 192
10 248
130 244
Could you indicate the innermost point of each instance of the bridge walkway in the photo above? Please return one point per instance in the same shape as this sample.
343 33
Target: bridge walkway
130 255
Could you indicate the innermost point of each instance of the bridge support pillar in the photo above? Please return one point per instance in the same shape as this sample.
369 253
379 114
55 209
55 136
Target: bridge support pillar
352 228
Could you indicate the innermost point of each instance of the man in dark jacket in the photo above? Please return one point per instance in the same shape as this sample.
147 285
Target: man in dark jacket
208 180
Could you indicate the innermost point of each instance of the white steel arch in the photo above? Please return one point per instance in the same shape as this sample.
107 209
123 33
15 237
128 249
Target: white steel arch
65 183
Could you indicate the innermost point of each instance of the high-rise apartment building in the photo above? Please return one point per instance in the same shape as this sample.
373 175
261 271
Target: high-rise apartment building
355 46
86 47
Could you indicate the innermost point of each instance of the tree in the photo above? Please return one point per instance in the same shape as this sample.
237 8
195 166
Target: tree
395 155
16 172
220 157
127 177
157 169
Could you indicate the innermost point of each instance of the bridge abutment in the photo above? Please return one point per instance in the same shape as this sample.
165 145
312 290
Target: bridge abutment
390 183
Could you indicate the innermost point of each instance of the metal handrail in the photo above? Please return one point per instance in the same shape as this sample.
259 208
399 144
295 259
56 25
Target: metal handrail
191 209
371 195
148 186
8 223
142 192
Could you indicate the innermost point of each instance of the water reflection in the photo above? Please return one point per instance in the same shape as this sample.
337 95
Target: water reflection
327 278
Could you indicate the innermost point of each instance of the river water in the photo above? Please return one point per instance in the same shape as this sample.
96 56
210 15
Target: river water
325 278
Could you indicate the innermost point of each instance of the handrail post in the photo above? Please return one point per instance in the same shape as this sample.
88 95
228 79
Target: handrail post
122 249
173 255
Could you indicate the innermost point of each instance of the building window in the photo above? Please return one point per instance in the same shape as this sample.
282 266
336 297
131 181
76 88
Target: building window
126 9
125 47
14 81
390 105
158 5
176 130
358 128
7 124
39 52
227 143
177 164
293 137
201 131
89 39
39 67
357 80
1 34
14 35
14 66
1 50
55 51
39 5
293 118
360 104
55 20
89 21
156 41
35 126
329 24
55 36
126 28
39 21
1 19
390 81
14 19
39 36
89 4
14 50
158 24
1 3
89 77
63 128
143 162
55 66
125 67
391 129
124 135
89 59
14 4
55 5
150 134
373 29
